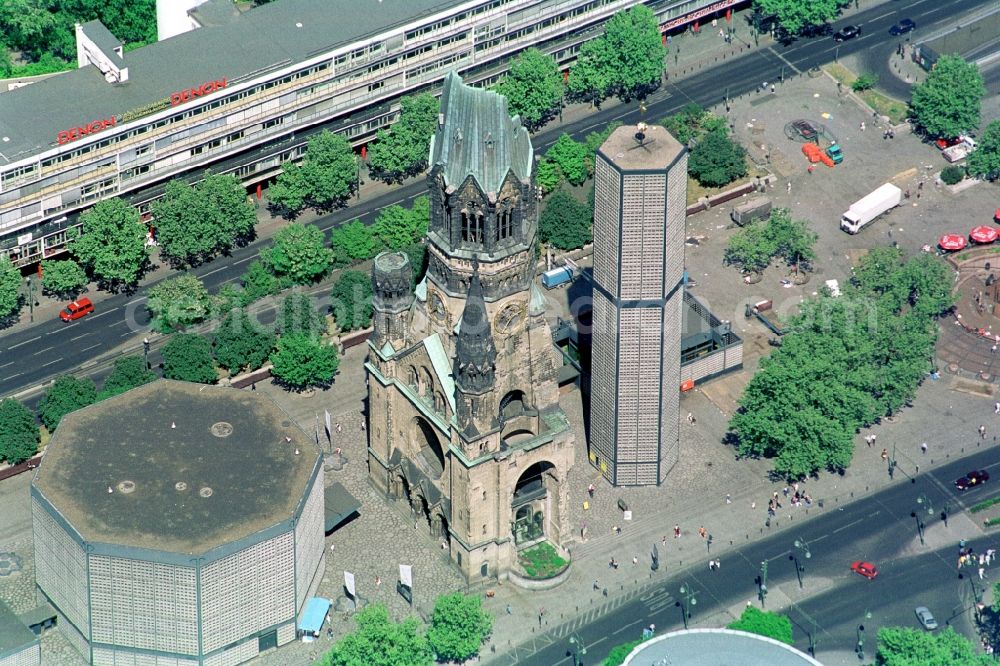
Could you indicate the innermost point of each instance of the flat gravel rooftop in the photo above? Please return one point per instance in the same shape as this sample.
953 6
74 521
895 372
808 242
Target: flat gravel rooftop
189 467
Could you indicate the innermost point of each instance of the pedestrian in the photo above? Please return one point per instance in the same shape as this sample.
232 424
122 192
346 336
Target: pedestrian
635 560
253 386
981 573
378 581
789 187
996 408
663 541
982 431
920 186
885 134
772 88
923 447
339 429
618 530
509 611
690 417
677 531
873 437
982 559
590 490
711 565
810 169
729 499
868 440
718 564
892 133
862 126
702 532
993 349
363 427
753 505
885 454
722 33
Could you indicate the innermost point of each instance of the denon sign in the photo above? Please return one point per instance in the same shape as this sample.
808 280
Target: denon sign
65 136
206 88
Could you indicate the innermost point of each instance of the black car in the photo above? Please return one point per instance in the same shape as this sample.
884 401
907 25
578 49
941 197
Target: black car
903 27
972 479
847 32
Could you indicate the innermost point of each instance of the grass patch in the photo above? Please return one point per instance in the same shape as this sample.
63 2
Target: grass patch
982 506
696 191
619 652
886 106
992 522
541 561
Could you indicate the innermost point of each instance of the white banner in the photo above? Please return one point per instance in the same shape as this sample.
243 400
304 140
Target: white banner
349 583
406 575
329 428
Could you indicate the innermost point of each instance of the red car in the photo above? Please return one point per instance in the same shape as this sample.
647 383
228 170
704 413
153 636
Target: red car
78 308
866 569
972 479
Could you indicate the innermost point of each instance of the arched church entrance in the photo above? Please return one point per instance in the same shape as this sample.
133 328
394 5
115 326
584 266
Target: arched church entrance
533 503
430 453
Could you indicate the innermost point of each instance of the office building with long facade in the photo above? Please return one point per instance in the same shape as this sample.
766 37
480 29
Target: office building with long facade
178 524
640 182
242 92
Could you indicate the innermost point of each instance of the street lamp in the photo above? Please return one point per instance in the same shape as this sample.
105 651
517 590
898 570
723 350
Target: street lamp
892 462
145 352
800 544
31 299
762 583
687 600
860 649
579 650
945 510
924 501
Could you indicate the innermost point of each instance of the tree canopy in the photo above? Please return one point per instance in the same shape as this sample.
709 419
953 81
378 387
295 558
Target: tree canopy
903 646
178 302
984 161
533 86
565 223
351 300
194 223
627 60
754 246
298 254
19 436
795 17
352 242
63 278
717 160
379 641
327 177
948 102
765 623
300 315
128 373
112 244
396 227
258 281
573 159
459 625
67 394
845 362
240 343
188 357
10 288
404 149
301 361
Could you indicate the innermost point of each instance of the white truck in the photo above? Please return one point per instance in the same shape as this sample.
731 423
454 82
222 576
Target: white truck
865 210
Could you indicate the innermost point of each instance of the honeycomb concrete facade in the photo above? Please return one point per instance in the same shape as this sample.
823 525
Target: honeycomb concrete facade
218 556
640 182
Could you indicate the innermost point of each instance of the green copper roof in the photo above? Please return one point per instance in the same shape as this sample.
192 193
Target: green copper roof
479 138
442 367
537 302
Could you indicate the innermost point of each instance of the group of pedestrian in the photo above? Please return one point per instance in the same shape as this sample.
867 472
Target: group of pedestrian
967 557
888 133
714 565
870 439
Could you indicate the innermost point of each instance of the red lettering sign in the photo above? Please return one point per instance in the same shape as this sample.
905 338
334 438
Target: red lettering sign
698 14
65 136
206 88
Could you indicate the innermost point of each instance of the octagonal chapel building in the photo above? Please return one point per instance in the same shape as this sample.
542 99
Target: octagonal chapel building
464 415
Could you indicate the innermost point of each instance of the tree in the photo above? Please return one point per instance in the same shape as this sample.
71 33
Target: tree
396 228
67 394
533 87
19 436
751 248
301 361
565 223
351 300
984 161
188 357
864 82
595 140
459 625
405 149
178 302
299 254
289 192
240 344
10 288
64 279
378 641
128 373
948 102
796 17
547 175
352 242
193 223
258 282
686 124
902 646
112 244
627 60
717 160
299 315
792 239
765 623
572 158
330 170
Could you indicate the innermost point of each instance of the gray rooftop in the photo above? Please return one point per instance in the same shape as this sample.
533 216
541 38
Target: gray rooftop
479 138
265 37
13 633
102 37
658 149
717 647
161 447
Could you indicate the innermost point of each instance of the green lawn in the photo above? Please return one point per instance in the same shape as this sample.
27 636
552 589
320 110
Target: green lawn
541 561
886 106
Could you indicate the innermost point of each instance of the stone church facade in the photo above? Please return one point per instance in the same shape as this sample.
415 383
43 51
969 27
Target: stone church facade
464 417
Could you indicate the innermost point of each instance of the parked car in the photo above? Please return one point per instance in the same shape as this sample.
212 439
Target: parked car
866 569
925 618
806 129
81 307
972 479
847 32
901 28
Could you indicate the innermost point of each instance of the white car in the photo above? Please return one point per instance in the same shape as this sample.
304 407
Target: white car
925 618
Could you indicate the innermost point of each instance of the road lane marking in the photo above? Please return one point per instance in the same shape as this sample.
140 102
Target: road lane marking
90 347
42 351
20 344
11 377
59 330
51 362
852 524
127 333
78 337
101 314
220 268
243 261
882 16
6 364
624 627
